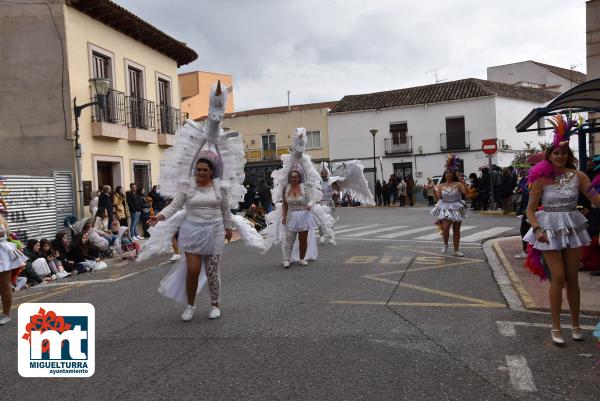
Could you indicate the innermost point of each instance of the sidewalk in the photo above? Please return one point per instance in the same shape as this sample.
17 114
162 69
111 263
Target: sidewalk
533 292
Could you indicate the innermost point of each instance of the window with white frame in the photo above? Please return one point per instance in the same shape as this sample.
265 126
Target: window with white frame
313 139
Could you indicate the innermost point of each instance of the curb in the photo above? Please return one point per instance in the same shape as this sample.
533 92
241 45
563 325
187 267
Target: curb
512 289
501 275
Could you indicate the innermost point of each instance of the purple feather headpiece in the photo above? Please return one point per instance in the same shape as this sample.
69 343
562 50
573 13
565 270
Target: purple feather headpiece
452 163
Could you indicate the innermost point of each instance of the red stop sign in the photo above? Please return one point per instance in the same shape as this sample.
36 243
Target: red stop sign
489 146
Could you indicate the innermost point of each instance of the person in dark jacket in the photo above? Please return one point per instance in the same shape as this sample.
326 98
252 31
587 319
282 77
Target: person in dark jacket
385 193
264 193
81 252
378 193
483 190
506 190
61 245
158 202
32 251
105 201
145 213
135 209
410 187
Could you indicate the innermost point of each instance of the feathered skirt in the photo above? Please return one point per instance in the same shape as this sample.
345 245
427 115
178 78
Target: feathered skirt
563 229
10 256
453 211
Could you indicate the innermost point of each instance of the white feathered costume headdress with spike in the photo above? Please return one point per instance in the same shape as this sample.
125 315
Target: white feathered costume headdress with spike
311 178
225 151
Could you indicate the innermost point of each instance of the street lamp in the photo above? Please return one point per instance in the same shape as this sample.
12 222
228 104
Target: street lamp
374 132
100 87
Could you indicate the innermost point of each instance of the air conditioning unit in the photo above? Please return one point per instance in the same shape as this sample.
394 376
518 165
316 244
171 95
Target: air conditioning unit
503 144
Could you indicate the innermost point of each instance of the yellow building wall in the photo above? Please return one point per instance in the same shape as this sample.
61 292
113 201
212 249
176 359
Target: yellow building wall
283 125
195 87
81 31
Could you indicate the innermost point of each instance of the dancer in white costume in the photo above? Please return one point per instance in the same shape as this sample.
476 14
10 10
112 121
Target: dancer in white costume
10 258
328 186
296 217
204 171
349 177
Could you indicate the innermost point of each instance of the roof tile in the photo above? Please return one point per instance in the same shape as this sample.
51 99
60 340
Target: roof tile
441 92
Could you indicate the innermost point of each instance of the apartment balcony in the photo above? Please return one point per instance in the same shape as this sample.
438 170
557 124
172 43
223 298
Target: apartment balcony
396 146
110 122
258 155
141 117
169 120
455 141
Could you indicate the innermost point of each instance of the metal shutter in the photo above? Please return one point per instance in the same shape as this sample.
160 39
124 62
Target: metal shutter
65 204
31 204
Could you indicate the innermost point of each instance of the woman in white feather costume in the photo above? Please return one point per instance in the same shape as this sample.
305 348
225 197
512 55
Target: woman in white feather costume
204 172
349 176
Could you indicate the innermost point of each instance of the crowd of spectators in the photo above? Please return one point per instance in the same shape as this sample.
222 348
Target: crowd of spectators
82 247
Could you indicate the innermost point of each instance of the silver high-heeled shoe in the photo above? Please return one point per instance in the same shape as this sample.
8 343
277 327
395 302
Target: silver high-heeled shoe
577 333
557 338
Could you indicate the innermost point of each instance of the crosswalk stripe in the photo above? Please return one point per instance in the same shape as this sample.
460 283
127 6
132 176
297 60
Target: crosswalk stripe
379 230
437 235
485 234
404 233
347 230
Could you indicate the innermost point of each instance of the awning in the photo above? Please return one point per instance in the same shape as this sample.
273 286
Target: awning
581 98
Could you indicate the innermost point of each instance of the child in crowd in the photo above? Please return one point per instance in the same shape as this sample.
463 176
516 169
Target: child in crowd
127 244
52 259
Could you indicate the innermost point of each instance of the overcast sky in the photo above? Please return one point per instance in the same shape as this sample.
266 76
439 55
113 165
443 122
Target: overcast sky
321 50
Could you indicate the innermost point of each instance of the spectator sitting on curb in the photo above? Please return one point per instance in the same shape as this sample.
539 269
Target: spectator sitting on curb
83 253
61 245
124 243
254 216
54 264
36 269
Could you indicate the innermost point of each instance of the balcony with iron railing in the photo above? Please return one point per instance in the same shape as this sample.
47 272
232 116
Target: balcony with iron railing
399 145
258 154
141 117
110 121
455 141
168 122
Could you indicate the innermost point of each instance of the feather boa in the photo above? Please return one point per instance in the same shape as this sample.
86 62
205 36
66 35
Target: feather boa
542 169
535 263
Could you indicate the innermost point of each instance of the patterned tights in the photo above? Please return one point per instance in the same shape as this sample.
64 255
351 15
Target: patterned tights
211 264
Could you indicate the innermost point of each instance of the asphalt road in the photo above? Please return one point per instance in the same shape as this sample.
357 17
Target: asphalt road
381 316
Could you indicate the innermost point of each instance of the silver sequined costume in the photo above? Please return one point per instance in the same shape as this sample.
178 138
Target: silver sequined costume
451 206
564 226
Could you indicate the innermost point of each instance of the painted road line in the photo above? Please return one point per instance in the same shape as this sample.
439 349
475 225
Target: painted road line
519 373
347 230
379 230
424 304
406 232
437 235
507 329
485 234
425 244
46 295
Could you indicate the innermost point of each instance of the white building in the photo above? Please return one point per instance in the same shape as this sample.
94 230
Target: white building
536 75
418 127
